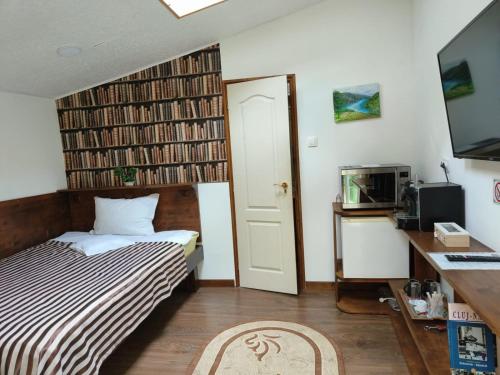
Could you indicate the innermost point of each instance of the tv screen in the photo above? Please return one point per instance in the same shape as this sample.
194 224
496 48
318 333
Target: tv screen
470 75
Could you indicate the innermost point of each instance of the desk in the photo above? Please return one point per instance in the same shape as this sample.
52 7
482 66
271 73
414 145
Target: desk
479 289
468 285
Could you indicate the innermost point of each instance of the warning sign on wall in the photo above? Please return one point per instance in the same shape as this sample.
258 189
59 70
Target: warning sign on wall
496 191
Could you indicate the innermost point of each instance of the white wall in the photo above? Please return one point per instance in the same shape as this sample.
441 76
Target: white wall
436 22
215 213
31 158
335 44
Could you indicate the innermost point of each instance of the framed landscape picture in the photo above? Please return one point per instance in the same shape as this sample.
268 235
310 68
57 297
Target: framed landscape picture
356 103
457 80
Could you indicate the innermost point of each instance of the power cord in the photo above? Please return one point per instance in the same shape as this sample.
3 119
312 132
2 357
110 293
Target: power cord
445 170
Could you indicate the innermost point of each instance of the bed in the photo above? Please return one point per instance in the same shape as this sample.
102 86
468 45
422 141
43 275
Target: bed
63 312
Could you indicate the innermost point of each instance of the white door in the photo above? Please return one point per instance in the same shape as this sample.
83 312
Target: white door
262 176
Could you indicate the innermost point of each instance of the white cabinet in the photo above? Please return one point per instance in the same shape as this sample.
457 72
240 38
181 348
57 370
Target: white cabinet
372 248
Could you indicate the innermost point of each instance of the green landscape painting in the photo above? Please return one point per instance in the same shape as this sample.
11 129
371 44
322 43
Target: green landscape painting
457 80
357 103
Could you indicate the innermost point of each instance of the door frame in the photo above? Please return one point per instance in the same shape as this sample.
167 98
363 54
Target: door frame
294 151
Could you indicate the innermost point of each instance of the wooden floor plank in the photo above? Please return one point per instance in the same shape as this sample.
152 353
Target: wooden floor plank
363 302
169 339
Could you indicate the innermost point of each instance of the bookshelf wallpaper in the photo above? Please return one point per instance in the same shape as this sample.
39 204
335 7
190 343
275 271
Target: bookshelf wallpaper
166 121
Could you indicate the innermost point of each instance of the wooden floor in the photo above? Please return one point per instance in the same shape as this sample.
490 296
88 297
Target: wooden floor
168 340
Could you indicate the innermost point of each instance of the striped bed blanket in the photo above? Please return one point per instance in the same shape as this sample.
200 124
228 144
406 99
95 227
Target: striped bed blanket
62 312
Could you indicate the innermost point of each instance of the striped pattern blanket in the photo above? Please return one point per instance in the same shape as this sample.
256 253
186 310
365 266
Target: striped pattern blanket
62 312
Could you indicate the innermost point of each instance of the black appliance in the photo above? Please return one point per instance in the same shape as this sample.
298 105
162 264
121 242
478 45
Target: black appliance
427 204
408 219
440 203
469 67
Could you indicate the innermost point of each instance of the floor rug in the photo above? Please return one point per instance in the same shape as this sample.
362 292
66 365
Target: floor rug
269 348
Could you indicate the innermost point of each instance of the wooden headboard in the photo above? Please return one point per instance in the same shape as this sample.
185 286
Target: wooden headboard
29 221
177 208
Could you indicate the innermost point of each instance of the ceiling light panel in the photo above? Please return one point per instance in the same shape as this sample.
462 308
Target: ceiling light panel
182 8
69 51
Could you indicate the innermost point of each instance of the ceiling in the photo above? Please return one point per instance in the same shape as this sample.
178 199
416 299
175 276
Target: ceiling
117 37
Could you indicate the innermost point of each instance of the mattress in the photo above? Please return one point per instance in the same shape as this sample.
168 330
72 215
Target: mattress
191 245
186 238
63 312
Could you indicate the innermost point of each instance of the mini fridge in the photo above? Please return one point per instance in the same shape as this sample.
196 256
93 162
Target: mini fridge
372 248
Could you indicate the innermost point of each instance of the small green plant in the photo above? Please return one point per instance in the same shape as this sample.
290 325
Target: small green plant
126 174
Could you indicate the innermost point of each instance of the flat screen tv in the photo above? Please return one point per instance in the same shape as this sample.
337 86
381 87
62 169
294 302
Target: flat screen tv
470 75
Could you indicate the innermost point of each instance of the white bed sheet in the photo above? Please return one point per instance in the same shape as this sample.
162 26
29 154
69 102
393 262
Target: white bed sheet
181 237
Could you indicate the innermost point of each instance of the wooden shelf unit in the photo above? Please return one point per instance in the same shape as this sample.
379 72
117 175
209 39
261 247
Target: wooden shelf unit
478 288
338 211
432 346
410 351
157 120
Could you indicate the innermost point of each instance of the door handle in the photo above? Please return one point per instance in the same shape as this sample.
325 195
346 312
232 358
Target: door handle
283 185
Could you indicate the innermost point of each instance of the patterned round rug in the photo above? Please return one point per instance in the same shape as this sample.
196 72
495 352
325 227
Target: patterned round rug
270 348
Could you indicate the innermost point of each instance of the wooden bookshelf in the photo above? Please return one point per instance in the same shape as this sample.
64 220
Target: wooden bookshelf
166 120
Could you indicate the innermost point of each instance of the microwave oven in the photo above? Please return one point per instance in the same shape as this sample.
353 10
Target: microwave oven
373 186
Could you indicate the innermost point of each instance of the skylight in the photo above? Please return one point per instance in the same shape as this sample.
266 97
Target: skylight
182 8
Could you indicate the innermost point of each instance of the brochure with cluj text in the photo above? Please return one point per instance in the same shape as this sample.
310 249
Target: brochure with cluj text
471 342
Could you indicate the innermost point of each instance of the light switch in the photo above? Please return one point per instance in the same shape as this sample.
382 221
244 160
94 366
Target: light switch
312 141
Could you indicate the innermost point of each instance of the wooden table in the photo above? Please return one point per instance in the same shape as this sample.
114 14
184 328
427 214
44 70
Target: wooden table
479 289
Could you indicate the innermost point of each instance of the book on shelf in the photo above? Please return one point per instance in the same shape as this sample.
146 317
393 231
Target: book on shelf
127 114
175 153
166 120
472 344
207 64
160 175
193 110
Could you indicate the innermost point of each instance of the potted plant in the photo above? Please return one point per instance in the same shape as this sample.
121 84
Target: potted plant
126 174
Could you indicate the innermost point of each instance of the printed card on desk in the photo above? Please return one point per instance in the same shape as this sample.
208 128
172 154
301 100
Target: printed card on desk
471 342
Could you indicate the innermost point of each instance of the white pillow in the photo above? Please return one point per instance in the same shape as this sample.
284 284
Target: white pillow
125 216
100 244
